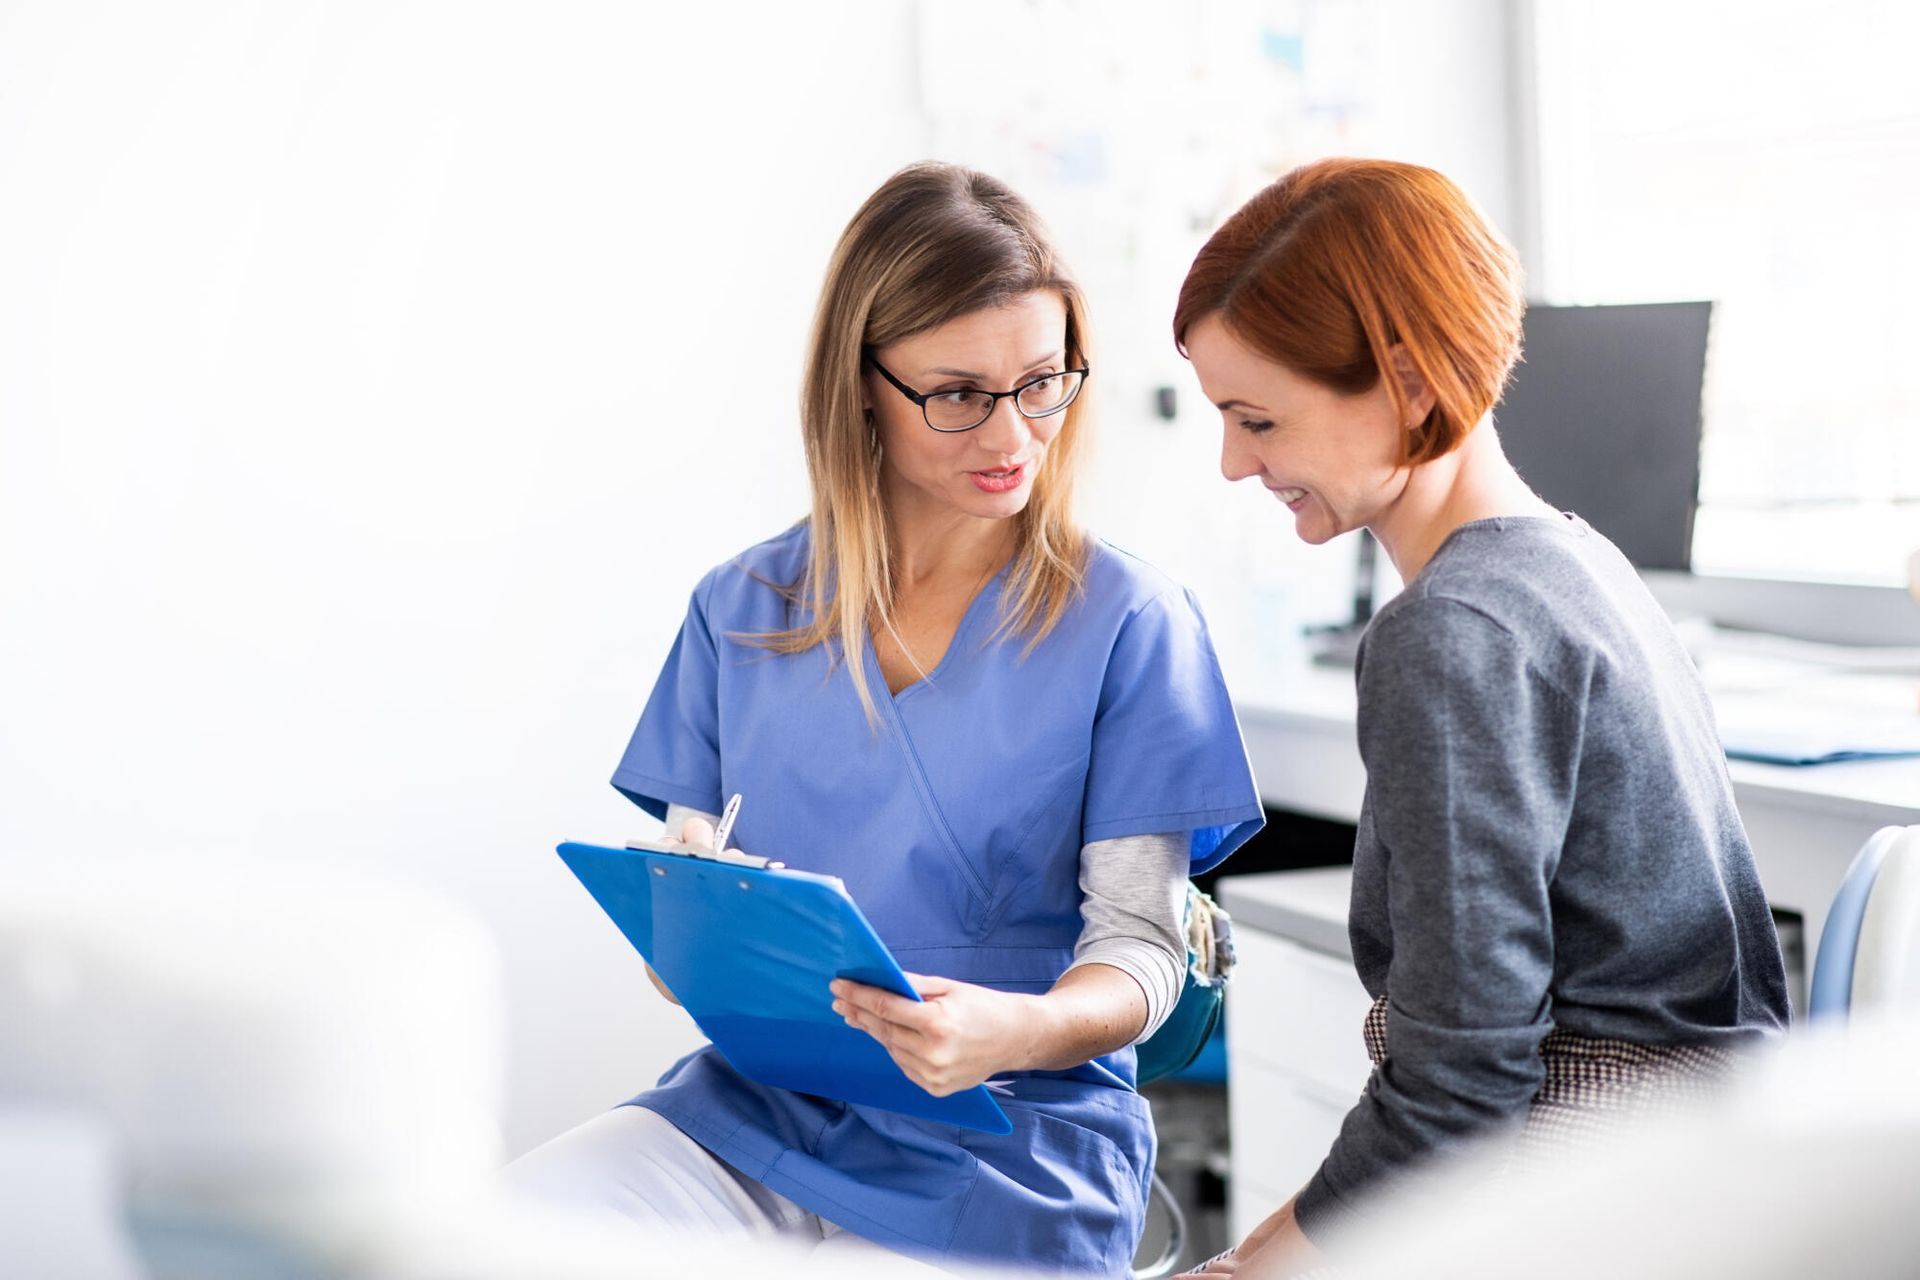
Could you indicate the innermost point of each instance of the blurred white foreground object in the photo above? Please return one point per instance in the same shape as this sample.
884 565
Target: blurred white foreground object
209 1075
60 1198
1809 1166
291 1068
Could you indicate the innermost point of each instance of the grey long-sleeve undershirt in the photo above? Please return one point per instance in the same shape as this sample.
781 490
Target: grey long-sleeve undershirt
1133 903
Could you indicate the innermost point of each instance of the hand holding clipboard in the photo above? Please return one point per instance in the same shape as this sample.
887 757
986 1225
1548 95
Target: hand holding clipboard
749 948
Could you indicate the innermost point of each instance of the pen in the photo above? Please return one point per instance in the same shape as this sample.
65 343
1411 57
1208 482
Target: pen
725 829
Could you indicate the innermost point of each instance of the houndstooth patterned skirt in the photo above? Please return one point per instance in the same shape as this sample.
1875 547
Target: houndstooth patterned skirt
1592 1086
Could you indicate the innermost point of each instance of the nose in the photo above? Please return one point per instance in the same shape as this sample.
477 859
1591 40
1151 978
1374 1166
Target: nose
1006 430
1237 461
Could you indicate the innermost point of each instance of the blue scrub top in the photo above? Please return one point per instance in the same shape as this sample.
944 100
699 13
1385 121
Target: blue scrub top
957 823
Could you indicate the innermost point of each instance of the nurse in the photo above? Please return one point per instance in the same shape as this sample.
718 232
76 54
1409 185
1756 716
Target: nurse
1010 739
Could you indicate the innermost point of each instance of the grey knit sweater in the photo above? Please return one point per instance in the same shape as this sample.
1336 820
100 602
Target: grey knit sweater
1548 840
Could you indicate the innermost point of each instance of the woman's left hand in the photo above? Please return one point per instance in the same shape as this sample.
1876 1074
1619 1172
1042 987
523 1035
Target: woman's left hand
1275 1248
955 1036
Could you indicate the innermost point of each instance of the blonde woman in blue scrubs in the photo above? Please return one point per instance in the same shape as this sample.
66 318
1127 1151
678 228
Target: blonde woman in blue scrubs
1010 739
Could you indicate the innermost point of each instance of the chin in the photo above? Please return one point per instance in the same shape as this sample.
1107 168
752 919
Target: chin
1314 531
998 506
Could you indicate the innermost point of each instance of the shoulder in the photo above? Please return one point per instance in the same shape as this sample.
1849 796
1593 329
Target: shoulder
757 579
1424 635
783 557
1122 584
1520 571
1136 615
1514 594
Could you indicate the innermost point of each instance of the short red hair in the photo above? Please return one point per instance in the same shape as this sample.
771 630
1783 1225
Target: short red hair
1330 267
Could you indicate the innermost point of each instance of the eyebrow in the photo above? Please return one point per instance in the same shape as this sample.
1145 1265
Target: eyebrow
981 377
1224 405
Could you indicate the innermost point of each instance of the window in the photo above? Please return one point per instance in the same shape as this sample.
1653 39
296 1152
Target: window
1761 156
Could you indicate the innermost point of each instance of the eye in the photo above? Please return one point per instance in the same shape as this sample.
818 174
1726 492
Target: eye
1255 426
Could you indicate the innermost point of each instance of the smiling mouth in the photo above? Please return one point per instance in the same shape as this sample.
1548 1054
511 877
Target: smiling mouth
1288 496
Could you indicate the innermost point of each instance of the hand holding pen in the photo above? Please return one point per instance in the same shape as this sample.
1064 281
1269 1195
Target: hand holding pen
701 834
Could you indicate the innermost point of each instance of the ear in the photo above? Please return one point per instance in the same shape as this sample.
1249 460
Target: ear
1419 396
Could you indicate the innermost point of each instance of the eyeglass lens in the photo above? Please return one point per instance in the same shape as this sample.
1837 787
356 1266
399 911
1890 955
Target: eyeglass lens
958 410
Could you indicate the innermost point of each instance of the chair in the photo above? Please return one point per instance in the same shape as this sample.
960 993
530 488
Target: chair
1869 955
1180 1040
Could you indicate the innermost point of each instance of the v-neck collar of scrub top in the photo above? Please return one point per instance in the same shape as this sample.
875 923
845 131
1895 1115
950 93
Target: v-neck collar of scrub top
895 706
963 631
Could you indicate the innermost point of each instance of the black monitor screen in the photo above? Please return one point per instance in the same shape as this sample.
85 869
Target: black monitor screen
1603 419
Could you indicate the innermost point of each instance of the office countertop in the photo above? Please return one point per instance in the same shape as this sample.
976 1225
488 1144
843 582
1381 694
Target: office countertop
1320 701
1805 822
1309 907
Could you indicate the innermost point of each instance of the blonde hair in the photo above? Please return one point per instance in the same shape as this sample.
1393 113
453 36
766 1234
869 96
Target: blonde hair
934 243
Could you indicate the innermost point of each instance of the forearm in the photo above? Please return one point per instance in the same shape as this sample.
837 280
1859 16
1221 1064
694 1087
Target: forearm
1447 1087
1092 1010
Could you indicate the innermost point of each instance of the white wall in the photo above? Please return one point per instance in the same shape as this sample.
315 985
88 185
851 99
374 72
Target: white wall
1195 119
376 380
348 353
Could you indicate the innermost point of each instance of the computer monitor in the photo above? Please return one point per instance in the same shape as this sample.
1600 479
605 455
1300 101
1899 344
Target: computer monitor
1603 419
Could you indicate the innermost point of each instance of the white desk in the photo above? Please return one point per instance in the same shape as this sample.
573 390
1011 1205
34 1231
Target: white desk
1805 823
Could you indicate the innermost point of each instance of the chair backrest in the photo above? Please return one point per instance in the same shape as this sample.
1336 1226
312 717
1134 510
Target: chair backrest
1886 961
1840 962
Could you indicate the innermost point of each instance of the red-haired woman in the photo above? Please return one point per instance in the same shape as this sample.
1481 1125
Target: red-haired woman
1554 903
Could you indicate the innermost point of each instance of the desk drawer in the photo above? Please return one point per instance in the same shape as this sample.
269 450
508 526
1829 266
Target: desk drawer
1299 1012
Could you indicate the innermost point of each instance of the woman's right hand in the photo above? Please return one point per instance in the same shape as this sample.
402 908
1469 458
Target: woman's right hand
694 831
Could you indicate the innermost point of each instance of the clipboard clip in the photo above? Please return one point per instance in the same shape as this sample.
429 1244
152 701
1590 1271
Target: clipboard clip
731 857
719 852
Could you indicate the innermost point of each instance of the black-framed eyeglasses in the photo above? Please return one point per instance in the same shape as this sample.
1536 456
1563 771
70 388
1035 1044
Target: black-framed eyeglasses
1039 397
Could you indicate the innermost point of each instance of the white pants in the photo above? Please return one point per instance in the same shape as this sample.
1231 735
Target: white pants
630 1165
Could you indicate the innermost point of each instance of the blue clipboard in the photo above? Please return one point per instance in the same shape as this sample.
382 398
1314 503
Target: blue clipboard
749 950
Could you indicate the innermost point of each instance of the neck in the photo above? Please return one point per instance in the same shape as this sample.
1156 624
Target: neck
1474 482
936 544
